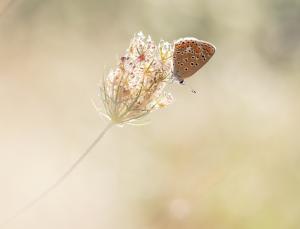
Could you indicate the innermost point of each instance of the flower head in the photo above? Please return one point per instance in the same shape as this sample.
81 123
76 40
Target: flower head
136 86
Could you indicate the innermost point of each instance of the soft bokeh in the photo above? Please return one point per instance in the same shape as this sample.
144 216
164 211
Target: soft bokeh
227 157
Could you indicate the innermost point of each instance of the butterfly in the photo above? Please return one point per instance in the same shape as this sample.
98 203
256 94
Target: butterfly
190 54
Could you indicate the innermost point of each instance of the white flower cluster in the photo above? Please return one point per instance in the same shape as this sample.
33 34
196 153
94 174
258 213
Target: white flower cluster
136 86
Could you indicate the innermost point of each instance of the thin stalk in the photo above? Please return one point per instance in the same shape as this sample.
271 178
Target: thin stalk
59 181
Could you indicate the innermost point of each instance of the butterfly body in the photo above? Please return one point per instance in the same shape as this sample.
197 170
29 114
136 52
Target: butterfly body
190 54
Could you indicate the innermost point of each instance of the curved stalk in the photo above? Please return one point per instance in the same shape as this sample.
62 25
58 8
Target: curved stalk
59 181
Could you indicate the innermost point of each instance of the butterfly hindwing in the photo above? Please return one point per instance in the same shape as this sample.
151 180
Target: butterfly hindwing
190 55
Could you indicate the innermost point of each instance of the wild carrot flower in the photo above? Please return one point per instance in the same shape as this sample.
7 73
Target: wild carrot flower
129 92
136 86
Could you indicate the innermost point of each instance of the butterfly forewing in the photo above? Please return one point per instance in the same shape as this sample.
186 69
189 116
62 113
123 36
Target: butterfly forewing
190 55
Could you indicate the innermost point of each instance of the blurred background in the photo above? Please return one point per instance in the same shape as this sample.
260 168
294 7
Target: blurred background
227 157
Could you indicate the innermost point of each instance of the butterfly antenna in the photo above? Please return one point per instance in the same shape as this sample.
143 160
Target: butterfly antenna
182 82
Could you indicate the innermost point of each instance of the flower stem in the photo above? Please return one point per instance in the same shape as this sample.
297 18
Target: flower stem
59 181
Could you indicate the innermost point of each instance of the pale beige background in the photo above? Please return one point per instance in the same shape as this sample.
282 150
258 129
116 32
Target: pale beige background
227 157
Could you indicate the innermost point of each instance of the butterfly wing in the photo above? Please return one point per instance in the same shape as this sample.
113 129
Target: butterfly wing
190 55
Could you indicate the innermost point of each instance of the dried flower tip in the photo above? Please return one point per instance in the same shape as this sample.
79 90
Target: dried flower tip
136 86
